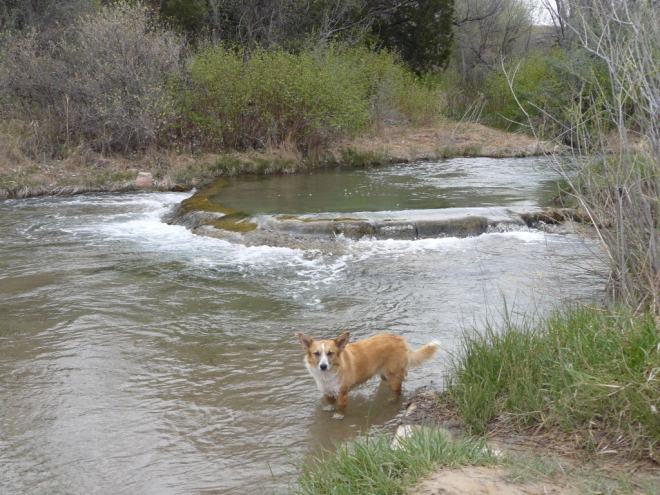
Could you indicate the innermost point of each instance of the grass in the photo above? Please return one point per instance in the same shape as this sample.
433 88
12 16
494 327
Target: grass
372 465
88 170
447 151
586 371
586 478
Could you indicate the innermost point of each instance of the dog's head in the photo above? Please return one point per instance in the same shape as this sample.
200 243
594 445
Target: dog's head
324 354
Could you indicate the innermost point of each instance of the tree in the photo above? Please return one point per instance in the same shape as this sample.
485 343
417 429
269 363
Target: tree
22 14
486 31
420 30
189 16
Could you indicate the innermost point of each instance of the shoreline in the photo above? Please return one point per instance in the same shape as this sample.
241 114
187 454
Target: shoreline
530 462
161 170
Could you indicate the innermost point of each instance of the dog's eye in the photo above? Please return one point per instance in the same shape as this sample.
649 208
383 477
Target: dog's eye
317 353
330 353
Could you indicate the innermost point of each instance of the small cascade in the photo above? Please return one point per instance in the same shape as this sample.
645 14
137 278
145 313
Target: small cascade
457 198
314 229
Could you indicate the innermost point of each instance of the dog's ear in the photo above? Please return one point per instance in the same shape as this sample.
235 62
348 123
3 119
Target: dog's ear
342 340
305 340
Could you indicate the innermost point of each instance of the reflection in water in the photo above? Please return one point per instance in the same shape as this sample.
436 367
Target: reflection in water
138 358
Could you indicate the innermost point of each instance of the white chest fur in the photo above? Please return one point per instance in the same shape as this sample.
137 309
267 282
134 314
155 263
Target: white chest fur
326 381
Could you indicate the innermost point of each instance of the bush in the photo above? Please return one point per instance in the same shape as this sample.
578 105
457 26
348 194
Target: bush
586 371
100 82
548 86
309 98
394 93
620 192
274 97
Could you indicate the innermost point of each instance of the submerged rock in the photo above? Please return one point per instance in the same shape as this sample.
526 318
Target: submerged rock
307 230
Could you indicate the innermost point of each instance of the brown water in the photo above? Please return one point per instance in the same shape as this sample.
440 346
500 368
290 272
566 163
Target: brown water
136 357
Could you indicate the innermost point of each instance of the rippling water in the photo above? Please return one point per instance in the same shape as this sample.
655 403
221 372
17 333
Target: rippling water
136 357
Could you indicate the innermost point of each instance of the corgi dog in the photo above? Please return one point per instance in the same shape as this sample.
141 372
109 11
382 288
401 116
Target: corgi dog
337 366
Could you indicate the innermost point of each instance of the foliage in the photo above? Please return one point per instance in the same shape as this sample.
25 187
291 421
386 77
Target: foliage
586 371
308 98
547 86
372 465
100 82
43 14
422 32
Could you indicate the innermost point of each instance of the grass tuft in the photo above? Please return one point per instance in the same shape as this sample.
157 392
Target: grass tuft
371 465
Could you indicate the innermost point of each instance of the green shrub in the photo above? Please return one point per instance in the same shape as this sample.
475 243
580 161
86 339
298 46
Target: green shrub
550 86
583 371
309 98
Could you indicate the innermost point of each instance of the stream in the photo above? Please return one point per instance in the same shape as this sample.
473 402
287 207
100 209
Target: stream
138 357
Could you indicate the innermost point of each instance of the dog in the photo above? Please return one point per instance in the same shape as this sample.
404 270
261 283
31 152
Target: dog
337 366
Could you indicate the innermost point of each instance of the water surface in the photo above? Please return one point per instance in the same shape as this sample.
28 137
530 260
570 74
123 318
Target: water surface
137 357
455 183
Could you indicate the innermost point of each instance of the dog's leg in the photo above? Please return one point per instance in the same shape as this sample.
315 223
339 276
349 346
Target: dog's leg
395 381
342 402
330 406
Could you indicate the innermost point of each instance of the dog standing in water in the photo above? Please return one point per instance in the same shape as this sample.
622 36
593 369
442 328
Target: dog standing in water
338 366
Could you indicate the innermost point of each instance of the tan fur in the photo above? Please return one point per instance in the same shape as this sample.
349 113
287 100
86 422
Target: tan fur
352 364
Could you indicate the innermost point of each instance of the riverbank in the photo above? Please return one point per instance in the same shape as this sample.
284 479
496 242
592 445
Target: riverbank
429 460
593 431
85 171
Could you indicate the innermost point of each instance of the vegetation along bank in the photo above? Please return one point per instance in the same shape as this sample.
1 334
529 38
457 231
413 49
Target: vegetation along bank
90 96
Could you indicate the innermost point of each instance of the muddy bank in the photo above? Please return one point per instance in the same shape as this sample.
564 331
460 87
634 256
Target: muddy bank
84 171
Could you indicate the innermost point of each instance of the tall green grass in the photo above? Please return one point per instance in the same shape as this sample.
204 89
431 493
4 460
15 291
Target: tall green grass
372 465
584 370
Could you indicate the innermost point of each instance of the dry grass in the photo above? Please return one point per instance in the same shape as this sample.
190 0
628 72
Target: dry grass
86 171
444 140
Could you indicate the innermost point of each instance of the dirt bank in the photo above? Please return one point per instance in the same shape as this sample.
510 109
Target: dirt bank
86 171
530 463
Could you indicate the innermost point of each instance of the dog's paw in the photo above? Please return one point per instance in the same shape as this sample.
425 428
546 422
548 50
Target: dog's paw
328 408
337 416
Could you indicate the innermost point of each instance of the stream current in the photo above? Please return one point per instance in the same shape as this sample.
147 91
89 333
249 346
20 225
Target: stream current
137 357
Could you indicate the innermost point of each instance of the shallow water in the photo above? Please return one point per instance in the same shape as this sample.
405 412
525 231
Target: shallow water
137 357
459 182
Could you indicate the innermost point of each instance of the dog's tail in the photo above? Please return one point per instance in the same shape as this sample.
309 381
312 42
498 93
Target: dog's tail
415 358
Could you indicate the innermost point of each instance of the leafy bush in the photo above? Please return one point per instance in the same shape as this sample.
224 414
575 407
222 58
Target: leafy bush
548 86
99 82
308 98
395 94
